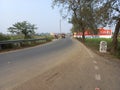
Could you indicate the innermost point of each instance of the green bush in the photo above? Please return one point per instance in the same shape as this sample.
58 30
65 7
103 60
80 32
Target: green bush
16 37
50 38
4 37
94 44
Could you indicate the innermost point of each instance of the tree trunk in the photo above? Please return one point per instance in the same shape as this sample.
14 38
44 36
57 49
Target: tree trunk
83 34
115 40
26 36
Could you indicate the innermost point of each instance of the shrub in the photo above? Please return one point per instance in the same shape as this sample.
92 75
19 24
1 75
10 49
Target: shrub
4 37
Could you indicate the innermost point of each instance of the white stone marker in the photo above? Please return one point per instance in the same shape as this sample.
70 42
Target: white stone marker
103 47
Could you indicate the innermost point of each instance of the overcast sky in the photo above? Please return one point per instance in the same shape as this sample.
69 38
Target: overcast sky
37 12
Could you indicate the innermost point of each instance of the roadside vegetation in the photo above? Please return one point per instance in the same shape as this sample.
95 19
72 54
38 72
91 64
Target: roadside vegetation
22 31
4 37
93 43
7 47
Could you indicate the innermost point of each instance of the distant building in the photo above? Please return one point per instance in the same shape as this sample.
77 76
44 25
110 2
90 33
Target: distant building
102 33
52 34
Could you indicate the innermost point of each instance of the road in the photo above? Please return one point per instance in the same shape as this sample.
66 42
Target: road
65 64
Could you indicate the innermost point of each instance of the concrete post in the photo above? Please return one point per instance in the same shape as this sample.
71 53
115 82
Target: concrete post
103 47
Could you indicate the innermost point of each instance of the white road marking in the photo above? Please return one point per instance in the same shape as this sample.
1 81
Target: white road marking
9 62
96 67
97 88
95 62
98 77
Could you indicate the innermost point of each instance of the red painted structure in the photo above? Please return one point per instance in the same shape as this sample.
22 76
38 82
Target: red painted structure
102 33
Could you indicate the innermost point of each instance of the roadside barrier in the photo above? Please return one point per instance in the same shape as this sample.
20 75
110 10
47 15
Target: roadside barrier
19 42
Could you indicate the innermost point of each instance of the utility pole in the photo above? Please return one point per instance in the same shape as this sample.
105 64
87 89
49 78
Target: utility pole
60 26
60 21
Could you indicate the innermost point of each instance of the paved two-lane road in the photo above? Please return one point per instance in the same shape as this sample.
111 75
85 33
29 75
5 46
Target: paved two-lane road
65 64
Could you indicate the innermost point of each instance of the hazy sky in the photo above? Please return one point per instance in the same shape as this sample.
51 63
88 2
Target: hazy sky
37 12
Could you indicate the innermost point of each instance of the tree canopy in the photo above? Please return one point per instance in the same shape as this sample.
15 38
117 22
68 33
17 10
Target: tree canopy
82 14
93 14
25 28
109 13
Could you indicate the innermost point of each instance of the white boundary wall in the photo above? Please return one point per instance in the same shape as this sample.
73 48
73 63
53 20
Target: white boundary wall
93 36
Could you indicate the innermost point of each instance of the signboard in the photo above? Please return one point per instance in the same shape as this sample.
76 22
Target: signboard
103 47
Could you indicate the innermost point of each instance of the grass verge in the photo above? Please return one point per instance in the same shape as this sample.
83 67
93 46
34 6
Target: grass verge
93 43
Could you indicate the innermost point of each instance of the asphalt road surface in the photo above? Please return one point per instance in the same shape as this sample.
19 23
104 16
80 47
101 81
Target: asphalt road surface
65 64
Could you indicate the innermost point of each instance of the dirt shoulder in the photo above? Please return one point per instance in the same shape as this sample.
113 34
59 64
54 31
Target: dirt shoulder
106 55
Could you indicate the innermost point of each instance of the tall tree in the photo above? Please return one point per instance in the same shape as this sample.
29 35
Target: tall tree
24 28
94 13
108 12
81 12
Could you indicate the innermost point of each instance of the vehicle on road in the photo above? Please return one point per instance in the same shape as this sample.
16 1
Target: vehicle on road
62 35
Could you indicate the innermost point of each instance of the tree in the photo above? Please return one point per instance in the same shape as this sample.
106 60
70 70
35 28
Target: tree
109 13
92 14
81 12
24 28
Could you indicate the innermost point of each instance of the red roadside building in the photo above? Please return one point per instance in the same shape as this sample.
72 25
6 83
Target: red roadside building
102 33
